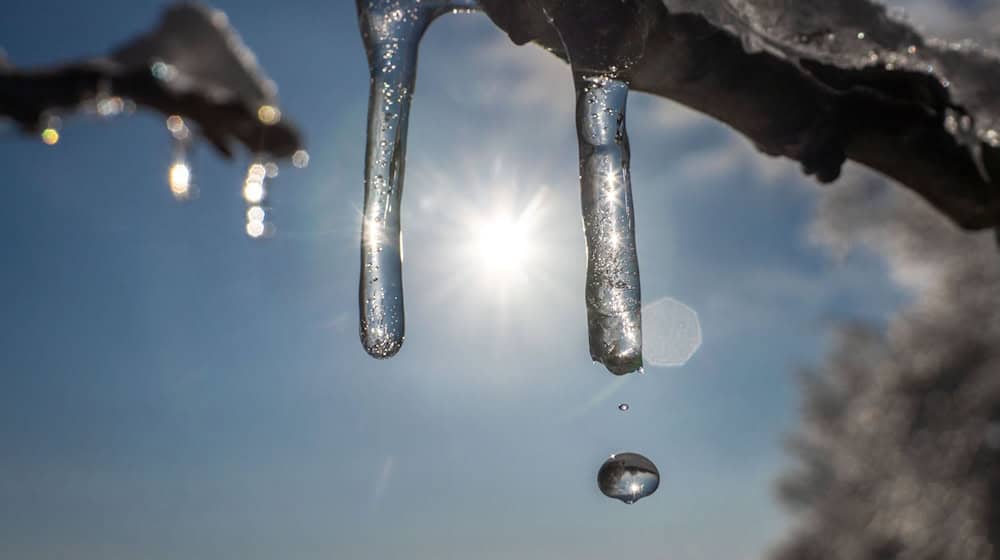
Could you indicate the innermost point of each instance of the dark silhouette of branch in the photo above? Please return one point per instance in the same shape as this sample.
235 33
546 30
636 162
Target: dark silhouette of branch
817 83
193 65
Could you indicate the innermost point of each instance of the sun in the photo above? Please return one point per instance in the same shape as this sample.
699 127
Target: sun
503 244
495 246
503 240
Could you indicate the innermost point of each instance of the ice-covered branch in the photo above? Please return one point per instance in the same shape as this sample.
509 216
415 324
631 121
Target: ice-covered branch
817 83
193 65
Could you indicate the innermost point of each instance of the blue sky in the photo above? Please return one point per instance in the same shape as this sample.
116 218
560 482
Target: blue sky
171 389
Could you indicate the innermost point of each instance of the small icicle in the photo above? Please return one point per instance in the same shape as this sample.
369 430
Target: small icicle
391 30
254 194
612 291
179 174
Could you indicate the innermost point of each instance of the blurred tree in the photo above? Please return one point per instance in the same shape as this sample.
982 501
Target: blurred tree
900 441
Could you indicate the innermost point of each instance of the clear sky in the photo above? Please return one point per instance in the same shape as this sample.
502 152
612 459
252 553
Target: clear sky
172 389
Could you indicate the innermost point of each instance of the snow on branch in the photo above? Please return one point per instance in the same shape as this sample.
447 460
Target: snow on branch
819 83
192 65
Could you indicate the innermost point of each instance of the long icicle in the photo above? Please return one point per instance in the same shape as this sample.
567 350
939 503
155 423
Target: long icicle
613 294
391 30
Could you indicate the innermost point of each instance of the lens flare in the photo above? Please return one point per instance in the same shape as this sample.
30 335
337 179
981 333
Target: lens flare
50 136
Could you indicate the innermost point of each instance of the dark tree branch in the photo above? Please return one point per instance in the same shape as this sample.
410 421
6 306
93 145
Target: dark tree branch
795 102
225 105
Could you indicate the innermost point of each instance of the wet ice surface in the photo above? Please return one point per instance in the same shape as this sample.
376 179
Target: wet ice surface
862 34
613 293
391 30
628 477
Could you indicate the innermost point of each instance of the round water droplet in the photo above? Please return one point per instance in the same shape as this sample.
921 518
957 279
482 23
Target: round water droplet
623 407
628 477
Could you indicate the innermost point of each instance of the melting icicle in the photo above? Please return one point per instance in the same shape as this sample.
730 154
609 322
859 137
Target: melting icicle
179 174
179 178
254 194
391 30
105 104
300 159
628 477
613 295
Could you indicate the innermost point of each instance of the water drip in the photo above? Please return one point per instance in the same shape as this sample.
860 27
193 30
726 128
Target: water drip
255 195
628 477
179 173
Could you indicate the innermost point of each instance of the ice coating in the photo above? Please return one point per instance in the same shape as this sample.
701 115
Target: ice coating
613 295
391 31
864 34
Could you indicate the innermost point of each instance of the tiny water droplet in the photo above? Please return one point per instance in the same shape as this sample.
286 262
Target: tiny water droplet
300 159
50 136
623 407
628 477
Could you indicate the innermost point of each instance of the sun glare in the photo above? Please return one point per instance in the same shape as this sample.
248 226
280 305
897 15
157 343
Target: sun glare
503 244
505 238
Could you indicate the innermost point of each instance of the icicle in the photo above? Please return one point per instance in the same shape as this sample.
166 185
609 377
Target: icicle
612 292
391 30
255 194
179 174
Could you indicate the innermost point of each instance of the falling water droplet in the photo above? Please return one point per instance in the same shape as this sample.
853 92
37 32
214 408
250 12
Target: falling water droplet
179 173
254 191
391 42
623 407
612 291
50 136
254 194
50 133
300 159
628 477
179 178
